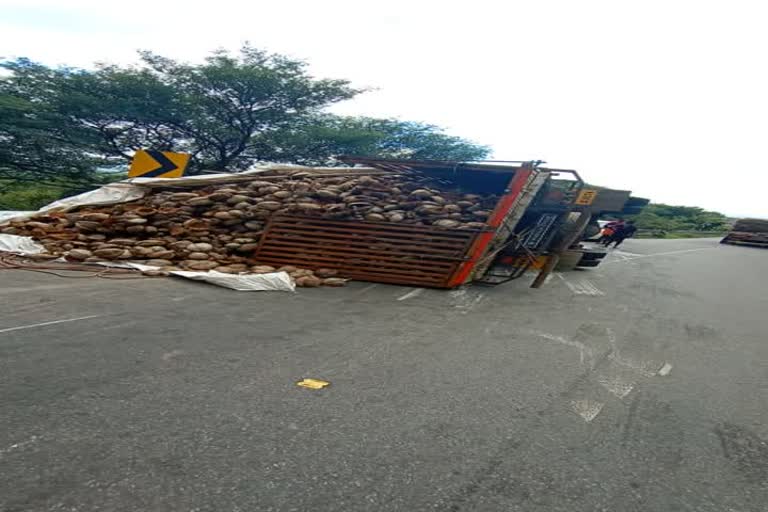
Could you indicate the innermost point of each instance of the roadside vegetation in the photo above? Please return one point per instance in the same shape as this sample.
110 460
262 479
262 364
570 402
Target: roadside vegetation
659 220
63 129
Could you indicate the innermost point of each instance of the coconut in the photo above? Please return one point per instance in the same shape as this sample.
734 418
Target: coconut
182 196
200 265
199 247
269 205
156 262
248 247
446 223
200 201
219 196
238 198
93 216
308 282
162 254
85 225
78 254
151 242
334 281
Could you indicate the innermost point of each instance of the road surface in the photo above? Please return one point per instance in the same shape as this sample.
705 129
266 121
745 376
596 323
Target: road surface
640 385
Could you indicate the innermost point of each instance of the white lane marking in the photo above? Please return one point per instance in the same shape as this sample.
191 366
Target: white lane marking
367 288
412 293
644 368
463 299
591 287
625 254
584 351
616 385
587 409
581 286
48 323
20 444
172 354
664 371
584 287
659 254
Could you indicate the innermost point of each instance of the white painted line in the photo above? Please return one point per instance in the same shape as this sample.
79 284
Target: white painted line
367 288
616 385
587 409
664 371
172 355
466 300
20 444
645 368
48 323
659 254
589 285
413 293
584 351
625 254
583 287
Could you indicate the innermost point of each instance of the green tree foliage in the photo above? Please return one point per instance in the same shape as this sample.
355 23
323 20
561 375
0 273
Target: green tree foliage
317 140
664 217
229 112
38 142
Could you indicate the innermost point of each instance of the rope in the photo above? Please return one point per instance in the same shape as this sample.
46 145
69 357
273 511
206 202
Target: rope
10 261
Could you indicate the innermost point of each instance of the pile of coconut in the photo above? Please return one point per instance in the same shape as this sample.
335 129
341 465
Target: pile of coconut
219 226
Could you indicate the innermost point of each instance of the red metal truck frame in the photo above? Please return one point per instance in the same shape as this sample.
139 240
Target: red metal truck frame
479 247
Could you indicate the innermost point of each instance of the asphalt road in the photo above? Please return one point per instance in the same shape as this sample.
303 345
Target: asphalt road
640 385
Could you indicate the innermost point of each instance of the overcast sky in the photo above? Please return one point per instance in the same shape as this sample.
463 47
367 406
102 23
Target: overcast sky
666 98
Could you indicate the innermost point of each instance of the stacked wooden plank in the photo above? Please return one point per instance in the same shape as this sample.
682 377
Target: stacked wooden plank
750 232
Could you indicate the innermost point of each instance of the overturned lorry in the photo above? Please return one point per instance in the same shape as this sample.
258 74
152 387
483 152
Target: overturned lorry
423 223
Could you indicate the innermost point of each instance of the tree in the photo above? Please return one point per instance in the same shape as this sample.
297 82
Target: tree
317 140
37 141
68 128
664 217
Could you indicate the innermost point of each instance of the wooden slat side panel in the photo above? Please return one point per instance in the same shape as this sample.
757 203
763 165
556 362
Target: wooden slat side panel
380 252
288 232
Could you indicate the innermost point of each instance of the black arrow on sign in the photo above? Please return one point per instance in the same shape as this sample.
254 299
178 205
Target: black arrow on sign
165 164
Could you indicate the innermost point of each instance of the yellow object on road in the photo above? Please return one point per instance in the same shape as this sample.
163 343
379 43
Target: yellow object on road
313 383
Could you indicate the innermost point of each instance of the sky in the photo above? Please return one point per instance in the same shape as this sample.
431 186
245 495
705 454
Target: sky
668 98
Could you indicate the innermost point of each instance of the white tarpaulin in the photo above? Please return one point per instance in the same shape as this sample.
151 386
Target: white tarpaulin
11 214
113 193
19 245
274 281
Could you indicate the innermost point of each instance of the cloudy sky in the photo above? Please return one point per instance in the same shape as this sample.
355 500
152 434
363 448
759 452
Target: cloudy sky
666 98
